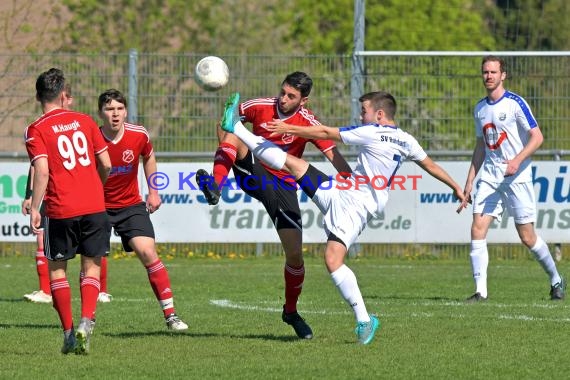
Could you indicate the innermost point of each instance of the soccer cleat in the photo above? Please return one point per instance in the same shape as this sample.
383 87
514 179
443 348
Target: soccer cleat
477 297
38 296
301 327
208 186
231 115
173 322
104 297
69 342
83 335
558 290
365 330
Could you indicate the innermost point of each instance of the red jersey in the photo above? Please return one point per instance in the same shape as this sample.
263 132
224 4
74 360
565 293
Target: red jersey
122 186
69 140
260 111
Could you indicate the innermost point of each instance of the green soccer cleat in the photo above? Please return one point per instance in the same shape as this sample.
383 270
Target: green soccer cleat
231 115
365 330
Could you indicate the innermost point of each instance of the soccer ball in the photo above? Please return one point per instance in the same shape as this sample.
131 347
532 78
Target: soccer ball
212 73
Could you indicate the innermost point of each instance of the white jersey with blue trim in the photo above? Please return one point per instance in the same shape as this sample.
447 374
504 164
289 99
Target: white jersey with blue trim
381 151
504 125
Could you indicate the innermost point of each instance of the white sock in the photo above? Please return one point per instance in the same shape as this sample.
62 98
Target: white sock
345 281
479 263
542 254
265 150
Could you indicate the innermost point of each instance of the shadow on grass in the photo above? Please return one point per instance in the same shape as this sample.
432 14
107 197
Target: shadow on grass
280 338
135 334
411 298
21 299
27 326
140 334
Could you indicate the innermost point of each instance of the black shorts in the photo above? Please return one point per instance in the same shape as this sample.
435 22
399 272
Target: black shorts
130 222
87 234
278 197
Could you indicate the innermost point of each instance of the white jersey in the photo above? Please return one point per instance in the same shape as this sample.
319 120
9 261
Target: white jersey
382 149
504 126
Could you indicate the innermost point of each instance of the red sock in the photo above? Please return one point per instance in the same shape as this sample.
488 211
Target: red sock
160 283
294 278
43 272
103 278
223 161
61 293
89 293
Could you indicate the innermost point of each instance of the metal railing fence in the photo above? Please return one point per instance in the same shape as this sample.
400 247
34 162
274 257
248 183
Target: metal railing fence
436 93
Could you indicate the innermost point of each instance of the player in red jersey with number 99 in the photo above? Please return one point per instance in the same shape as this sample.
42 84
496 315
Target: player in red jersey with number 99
71 163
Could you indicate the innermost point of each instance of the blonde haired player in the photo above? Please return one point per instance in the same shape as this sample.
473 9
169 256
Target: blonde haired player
507 135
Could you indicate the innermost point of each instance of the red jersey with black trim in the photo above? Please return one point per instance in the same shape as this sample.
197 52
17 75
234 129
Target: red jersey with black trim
262 110
70 141
122 186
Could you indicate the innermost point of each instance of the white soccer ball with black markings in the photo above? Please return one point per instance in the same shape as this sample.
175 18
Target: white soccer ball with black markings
212 73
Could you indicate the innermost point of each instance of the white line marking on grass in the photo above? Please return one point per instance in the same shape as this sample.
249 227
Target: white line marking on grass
233 305
533 319
421 314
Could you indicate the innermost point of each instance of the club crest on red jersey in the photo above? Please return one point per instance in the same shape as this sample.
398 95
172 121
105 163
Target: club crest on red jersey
128 156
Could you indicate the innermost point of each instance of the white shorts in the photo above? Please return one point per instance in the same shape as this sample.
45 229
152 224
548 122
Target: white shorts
517 198
344 214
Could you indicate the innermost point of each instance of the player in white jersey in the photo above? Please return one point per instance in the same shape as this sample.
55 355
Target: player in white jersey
507 135
347 204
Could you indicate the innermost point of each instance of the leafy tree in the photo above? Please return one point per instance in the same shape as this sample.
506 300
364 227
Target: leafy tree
390 25
531 24
232 26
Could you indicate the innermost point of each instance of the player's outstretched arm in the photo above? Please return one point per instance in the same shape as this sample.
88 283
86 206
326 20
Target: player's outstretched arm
438 172
319 132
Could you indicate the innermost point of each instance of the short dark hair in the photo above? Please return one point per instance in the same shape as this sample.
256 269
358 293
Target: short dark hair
49 85
494 58
381 100
109 95
301 81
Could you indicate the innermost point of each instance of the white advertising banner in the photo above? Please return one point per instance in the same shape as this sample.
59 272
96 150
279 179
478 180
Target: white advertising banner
420 208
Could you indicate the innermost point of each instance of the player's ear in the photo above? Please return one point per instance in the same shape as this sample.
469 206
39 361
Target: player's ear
304 101
380 115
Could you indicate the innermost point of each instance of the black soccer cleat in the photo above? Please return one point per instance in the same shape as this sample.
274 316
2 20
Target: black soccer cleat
558 290
208 186
477 297
301 327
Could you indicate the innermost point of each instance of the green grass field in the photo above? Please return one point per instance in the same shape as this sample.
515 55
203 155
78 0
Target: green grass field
233 308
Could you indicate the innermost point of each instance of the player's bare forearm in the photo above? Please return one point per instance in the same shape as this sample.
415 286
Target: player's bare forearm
318 132
338 161
40 182
440 174
153 200
103 166
534 142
